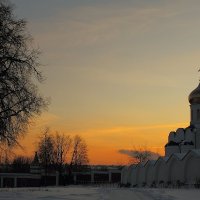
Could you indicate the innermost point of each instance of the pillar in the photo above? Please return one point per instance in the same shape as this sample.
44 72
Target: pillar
110 176
92 177
57 178
15 182
1 182
75 178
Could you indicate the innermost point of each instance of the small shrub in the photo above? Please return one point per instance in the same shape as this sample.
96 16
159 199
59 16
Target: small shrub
144 184
153 185
128 185
161 183
169 184
134 186
197 183
179 183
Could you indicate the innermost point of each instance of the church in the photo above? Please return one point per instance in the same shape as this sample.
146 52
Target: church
181 163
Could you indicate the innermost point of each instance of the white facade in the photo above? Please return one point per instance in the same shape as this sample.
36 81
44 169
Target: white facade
150 172
181 163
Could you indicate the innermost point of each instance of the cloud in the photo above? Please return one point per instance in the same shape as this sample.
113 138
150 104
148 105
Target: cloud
132 153
122 129
90 25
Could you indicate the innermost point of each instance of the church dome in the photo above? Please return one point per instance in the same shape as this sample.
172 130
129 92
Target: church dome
194 97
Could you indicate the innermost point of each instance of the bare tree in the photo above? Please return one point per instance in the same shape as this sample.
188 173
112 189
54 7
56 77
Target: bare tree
21 164
139 154
6 154
19 73
61 149
79 153
46 149
62 146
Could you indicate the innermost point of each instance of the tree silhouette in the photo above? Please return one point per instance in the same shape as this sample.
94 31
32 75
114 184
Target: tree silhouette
21 164
62 145
19 73
46 149
79 153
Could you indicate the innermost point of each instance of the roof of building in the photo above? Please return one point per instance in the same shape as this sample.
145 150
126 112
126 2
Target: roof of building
194 97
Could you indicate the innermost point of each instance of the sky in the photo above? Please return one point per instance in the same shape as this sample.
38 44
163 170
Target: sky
118 73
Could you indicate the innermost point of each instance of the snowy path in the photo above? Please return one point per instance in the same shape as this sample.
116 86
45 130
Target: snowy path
97 193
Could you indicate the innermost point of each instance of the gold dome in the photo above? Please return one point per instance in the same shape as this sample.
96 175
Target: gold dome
194 97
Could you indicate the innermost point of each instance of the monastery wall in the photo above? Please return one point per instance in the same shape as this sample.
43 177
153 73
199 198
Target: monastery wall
174 170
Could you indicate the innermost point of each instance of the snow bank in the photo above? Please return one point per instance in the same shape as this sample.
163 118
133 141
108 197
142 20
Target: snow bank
98 193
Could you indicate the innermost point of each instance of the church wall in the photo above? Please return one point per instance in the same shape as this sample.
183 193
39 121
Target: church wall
171 136
185 170
129 172
150 176
124 175
180 135
176 170
161 171
189 136
133 176
195 117
169 150
192 169
138 173
186 148
197 136
141 177
156 168
147 165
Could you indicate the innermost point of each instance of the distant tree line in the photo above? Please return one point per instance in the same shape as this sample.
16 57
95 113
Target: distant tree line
56 152
59 149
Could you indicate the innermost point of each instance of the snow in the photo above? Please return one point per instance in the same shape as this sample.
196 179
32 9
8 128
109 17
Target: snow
97 193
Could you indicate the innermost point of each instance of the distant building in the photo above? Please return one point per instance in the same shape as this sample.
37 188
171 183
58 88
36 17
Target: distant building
33 178
97 174
35 167
37 176
181 163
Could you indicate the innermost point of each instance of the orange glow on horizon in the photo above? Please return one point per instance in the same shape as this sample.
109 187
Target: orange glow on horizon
104 143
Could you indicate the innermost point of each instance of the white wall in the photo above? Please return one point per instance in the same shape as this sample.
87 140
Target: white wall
189 135
133 176
124 175
161 171
180 135
198 139
171 136
185 168
169 150
186 148
150 174
192 169
176 170
195 119
129 172
141 177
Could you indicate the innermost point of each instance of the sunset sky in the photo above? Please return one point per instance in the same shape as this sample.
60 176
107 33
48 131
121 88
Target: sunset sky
117 72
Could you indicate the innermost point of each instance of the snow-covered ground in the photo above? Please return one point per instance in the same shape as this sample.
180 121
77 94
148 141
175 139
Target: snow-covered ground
98 193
